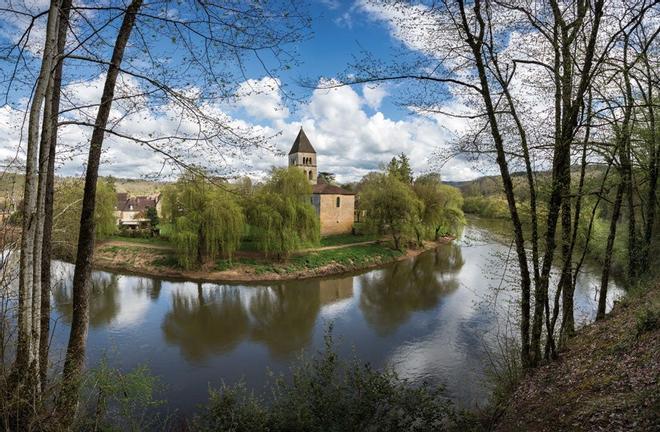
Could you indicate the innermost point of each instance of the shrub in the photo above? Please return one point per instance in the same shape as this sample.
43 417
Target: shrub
648 319
327 394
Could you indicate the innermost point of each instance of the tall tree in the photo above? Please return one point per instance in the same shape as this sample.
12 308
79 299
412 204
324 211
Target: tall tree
29 301
391 207
280 214
49 190
75 354
206 219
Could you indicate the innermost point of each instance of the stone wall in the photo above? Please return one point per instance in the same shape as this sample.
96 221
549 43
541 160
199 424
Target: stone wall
336 220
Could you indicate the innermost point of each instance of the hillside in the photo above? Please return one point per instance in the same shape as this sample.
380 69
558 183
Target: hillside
607 380
12 184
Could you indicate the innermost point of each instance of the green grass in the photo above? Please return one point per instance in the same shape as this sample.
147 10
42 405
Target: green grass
342 239
350 257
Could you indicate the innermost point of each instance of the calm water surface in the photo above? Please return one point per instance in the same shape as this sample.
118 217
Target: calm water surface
430 318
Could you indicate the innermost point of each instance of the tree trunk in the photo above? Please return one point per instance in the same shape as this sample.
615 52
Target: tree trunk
654 156
75 355
25 351
602 297
476 45
46 253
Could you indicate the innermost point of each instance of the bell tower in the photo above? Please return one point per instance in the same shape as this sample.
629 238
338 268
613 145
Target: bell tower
303 156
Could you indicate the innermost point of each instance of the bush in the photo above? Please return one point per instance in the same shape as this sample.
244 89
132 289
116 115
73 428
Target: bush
116 401
648 319
492 207
327 394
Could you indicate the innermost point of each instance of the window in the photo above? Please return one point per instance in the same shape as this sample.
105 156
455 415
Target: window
310 175
338 201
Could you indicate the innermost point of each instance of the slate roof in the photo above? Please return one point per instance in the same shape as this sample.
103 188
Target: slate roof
328 189
138 203
302 144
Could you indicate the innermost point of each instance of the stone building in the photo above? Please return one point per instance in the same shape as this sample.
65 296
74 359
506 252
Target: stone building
335 206
131 211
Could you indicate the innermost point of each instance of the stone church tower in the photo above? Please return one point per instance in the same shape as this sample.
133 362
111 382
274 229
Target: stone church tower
303 156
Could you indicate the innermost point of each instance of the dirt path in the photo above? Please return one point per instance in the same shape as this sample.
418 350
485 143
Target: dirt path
128 243
341 246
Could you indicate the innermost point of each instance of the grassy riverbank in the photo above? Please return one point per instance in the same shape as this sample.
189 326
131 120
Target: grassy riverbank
336 255
607 379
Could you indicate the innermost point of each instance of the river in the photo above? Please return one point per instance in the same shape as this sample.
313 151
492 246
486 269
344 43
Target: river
431 318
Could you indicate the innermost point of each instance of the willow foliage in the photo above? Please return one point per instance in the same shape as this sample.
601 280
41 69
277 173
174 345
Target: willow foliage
391 206
281 215
206 220
67 207
443 205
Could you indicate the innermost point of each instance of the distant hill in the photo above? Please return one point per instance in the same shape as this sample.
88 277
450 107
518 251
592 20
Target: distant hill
12 185
138 186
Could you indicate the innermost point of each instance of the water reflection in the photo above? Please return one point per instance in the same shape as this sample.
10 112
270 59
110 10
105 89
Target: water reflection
429 318
391 295
104 303
211 319
284 316
206 321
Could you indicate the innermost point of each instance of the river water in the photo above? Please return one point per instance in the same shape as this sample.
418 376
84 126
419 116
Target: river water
432 318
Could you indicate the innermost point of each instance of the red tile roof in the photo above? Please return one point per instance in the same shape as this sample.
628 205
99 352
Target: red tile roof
137 203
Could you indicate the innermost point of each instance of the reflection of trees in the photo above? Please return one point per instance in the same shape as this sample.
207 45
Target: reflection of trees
390 296
103 299
149 286
285 316
210 321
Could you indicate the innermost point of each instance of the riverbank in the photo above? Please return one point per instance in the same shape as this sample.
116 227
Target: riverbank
607 379
158 260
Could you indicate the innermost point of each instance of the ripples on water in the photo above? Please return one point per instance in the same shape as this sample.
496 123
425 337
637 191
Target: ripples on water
429 318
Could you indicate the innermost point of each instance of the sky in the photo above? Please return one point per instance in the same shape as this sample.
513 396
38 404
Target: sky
354 130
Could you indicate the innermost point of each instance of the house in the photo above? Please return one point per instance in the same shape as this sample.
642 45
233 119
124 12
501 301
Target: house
131 211
335 206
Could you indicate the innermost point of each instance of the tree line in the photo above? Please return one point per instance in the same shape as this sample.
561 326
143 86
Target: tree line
206 220
46 54
546 90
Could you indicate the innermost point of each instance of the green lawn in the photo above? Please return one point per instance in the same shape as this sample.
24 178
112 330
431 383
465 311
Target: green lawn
342 239
355 256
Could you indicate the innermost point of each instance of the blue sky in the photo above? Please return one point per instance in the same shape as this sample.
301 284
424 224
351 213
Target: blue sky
354 129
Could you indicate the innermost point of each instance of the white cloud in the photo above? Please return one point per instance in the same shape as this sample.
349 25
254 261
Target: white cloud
373 95
262 99
349 141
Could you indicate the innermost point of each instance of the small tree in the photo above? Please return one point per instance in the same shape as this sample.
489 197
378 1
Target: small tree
281 215
206 219
399 167
67 208
391 207
152 215
442 205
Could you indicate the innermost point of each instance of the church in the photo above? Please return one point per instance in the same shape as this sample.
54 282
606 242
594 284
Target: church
335 206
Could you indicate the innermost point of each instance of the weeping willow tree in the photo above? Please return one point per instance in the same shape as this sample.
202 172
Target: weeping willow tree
392 207
443 205
280 214
67 206
206 220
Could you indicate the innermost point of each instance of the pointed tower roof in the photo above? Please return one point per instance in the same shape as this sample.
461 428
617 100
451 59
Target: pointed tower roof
302 144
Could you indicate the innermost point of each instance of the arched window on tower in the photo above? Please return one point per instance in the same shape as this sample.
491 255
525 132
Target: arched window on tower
338 201
310 175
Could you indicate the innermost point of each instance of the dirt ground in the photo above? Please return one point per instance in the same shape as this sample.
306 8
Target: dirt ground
607 380
141 259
